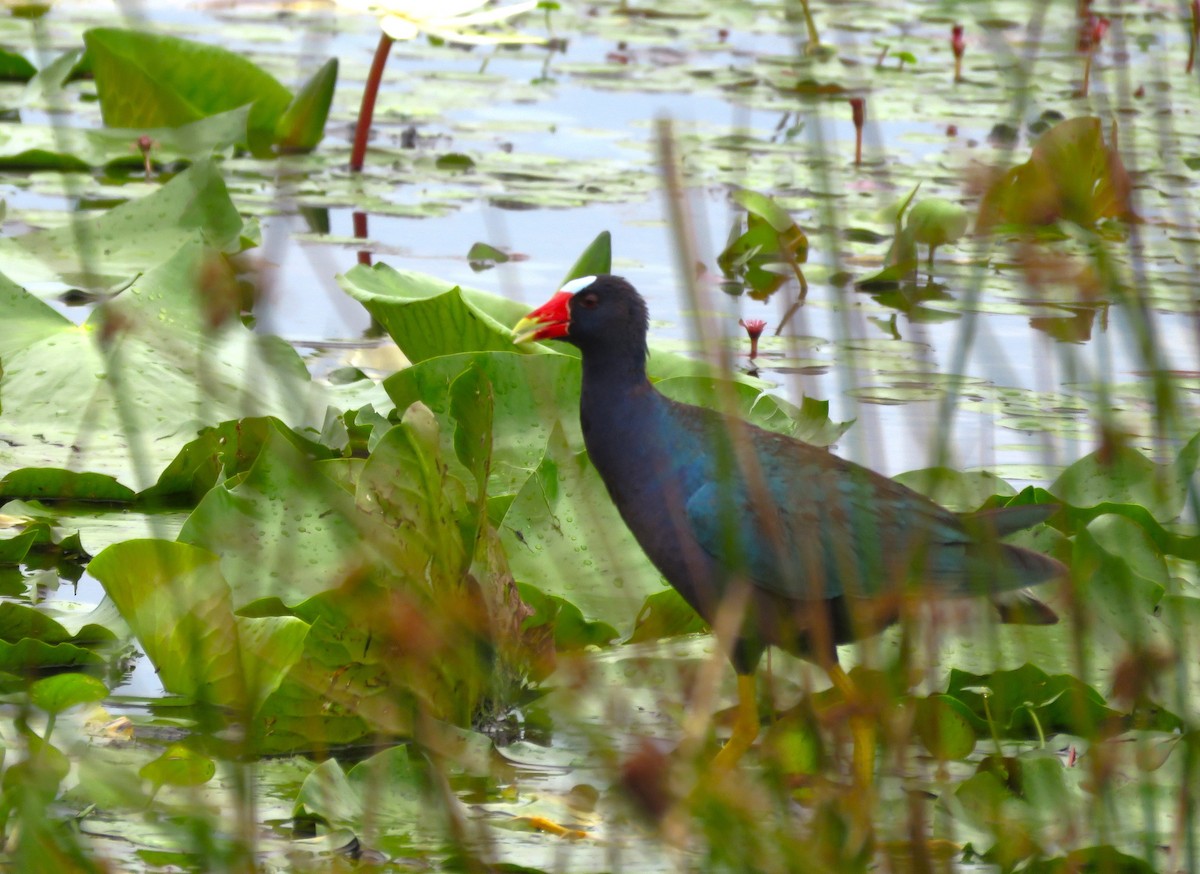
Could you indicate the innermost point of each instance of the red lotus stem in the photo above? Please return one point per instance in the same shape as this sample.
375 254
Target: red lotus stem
958 45
858 110
754 329
367 111
360 233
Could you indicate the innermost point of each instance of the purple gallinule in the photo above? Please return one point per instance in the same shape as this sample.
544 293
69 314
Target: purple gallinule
823 551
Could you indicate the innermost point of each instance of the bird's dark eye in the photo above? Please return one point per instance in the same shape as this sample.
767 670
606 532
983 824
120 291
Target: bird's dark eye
588 301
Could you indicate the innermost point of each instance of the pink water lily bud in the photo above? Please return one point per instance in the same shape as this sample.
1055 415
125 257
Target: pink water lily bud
754 329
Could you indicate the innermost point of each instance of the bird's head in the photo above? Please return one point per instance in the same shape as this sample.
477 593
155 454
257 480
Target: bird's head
589 312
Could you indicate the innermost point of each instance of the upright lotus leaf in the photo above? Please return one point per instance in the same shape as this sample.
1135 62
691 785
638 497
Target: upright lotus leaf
1072 175
936 221
219 453
150 80
596 259
428 317
395 625
46 88
531 395
302 124
405 483
29 654
179 605
472 406
563 535
901 258
286 531
769 251
108 251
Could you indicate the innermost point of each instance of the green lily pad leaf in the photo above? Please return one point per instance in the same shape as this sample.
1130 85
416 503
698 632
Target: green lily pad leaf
179 766
1103 858
326 795
28 654
1121 474
1027 703
665 614
179 606
1125 599
1071 175
62 692
944 727
484 257
901 258
958 490
133 403
14 67
455 161
596 259
935 221
15 545
386 788
809 422
29 146
21 621
110 250
18 621
149 80
302 124
59 484
570 629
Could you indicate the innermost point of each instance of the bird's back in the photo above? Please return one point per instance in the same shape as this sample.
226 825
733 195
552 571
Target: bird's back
804 524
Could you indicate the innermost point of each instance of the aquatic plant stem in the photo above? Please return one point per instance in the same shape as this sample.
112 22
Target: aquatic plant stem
366 111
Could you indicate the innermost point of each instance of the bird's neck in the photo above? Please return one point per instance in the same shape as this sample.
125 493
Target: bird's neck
610 374
618 408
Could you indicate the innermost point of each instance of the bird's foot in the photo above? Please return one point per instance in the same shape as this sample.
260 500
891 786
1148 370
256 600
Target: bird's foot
745 725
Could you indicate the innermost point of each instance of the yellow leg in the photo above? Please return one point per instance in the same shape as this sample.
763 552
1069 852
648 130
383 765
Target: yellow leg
745 724
862 728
